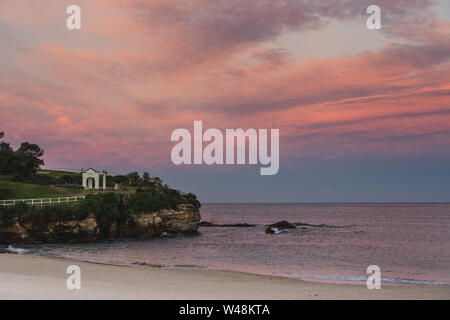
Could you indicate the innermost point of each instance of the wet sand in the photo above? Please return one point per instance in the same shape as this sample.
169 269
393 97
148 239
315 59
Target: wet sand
34 277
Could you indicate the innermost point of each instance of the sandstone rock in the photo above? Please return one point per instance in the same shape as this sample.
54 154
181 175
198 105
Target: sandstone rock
13 232
185 219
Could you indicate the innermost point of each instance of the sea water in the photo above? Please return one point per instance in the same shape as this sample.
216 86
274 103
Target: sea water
409 242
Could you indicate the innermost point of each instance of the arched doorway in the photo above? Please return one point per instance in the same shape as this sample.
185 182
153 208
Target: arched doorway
91 183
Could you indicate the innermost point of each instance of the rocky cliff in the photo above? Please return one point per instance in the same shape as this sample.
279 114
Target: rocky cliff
185 219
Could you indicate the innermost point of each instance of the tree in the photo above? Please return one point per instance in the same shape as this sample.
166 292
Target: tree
7 159
134 179
121 179
7 162
146 179
24 162
28 159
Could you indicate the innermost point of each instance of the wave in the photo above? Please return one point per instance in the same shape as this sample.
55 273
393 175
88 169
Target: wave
153 265
12 249
364 279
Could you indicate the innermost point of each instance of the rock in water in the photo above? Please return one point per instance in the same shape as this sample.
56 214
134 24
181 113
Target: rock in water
279 227
206 224
283 225
234 225
271 230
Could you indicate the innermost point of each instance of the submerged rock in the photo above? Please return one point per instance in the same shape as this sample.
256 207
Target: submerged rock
234 225
206 224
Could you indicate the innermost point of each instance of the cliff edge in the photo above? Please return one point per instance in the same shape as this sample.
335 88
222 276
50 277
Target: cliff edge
99 217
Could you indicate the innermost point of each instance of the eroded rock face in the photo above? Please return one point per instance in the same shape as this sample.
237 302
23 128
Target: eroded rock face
53 231
145 225
13 232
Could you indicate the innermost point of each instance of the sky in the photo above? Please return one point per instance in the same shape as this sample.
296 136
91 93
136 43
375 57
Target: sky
364 115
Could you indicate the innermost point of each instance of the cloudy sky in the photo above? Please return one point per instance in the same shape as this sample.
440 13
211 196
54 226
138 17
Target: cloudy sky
363 115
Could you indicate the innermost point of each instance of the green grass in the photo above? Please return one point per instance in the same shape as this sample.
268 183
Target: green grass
59 173
19 190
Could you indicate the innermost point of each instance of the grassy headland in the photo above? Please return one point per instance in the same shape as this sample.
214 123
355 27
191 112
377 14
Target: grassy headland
27 190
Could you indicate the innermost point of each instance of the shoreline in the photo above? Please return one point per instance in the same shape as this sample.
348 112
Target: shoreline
39 277
334 279
309 279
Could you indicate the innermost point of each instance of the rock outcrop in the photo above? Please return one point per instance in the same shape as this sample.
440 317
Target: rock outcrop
185 219
279 227
146 225
233 225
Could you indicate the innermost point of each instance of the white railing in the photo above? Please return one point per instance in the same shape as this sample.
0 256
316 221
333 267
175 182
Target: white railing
41 200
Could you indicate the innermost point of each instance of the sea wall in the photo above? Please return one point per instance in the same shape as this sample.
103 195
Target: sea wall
185 219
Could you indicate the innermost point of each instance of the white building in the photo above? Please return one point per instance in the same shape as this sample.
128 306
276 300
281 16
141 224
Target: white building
91 179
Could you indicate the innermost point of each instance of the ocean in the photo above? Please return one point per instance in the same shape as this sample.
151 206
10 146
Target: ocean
409 242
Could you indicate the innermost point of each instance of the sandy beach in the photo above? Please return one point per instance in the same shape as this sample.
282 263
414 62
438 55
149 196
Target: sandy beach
34 277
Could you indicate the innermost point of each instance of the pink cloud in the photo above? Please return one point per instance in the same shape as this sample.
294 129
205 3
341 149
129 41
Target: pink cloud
144 68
